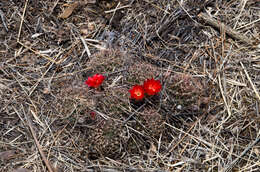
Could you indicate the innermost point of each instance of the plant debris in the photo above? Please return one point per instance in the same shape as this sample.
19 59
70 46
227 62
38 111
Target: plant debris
203 115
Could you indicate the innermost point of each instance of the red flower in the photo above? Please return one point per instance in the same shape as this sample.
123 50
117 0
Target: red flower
152 87
93 115
95 81
137 92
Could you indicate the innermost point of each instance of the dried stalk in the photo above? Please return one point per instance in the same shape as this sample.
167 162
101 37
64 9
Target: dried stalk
229 31
50 169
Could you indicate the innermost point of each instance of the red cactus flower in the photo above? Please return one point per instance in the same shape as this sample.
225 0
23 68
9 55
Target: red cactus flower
152 87
93 115
137 92
95 81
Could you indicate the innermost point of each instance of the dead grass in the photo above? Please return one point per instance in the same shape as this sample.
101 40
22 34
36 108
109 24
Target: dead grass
205 53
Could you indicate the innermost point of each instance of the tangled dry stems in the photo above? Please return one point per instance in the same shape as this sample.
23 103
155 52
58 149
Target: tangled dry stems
206 117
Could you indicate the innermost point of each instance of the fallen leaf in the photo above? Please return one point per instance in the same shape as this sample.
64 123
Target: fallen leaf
68 11
6 155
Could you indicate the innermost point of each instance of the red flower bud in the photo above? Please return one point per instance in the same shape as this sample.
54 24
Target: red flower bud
137 92
152 87
95 81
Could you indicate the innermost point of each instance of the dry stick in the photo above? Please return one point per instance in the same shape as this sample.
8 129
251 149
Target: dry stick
242 4
251 83
183 137
56 138
251 166
225 101
205 142
187 12
20 28
49 58
86 46
255 21
19 34
114 12
119 8
195 55
133 113
38 144
233 163
70 49
39 80
156 6
38 53
3 20
221 26
53 7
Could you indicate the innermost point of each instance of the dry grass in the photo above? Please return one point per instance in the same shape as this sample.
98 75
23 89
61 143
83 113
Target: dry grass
205 53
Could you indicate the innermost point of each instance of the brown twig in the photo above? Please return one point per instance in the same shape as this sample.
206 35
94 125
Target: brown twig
221 26
3 20
233 163
250 81
20 27
48 165
37 53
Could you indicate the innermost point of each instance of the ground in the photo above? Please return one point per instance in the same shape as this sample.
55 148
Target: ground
205 53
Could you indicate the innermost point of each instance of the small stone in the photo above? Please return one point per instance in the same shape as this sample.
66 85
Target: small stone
179 107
